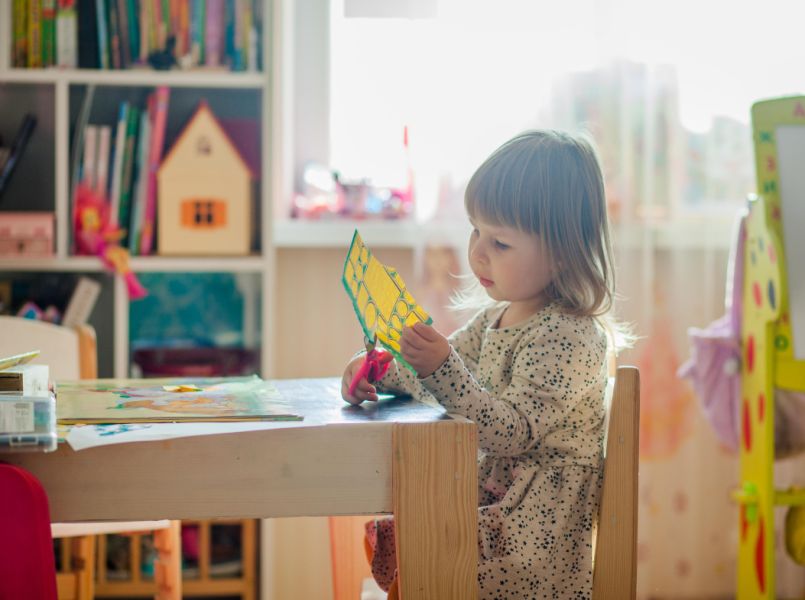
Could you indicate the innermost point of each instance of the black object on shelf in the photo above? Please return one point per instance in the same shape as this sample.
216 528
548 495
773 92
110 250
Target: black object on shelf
24 132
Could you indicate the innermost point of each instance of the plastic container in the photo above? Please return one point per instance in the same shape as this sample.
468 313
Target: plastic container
27 423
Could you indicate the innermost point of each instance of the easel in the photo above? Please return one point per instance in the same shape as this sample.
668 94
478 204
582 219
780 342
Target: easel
770 358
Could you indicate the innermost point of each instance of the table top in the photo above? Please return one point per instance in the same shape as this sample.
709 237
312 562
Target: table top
338 460
319 402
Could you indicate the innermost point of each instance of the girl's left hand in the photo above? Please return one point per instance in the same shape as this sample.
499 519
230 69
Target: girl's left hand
424 348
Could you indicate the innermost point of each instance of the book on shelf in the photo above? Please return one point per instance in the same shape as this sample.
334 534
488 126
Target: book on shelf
87 34
34 50
117 165
28 380
140 181
66 34
158 123
48 32
89 164
102 167
124 210
121 34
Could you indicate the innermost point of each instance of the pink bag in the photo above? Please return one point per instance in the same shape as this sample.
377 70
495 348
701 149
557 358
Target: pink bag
714 367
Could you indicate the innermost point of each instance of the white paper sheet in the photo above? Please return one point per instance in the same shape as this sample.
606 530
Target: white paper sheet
92 436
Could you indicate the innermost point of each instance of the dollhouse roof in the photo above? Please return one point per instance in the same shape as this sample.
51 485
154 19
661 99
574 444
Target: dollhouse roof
204 115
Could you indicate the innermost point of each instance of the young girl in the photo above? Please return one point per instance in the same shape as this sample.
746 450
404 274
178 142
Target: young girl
529 369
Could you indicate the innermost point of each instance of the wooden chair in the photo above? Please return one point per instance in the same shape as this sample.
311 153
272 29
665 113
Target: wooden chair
615 563
72 354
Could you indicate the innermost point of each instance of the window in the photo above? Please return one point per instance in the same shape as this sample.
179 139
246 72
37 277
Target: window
665 89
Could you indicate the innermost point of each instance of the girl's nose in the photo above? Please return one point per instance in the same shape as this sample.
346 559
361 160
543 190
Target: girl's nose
477 253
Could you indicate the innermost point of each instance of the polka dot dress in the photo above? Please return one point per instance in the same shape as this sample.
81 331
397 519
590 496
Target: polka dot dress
536 392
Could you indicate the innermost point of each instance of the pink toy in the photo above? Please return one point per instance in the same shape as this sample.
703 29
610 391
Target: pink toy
95 235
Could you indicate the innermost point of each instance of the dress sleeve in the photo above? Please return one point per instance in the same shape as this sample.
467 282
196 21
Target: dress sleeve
465 342
553 369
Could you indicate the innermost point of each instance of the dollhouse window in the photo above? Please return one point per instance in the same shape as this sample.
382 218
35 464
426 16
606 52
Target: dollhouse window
203 213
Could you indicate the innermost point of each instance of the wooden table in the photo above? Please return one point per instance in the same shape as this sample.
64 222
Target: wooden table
396 456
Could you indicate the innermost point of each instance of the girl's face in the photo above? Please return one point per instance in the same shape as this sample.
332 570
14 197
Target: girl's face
511 264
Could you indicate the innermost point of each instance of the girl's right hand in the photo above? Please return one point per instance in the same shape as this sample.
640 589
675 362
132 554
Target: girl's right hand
364 390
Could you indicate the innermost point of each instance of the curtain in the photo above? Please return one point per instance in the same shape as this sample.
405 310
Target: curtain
665 91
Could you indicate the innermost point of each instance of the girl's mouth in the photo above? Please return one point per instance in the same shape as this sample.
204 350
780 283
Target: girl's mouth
485 282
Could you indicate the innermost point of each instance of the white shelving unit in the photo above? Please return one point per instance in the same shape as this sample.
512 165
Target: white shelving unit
57 83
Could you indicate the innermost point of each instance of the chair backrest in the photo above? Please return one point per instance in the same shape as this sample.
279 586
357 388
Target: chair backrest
615 563
70 353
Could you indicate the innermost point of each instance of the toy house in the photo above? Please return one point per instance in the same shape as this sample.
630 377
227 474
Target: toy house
204 192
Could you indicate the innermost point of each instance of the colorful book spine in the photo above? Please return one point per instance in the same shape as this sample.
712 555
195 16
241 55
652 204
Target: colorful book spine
124 215
67 34
160 25
34 34
155 156
145 31
20 47
117 168
183 36
252 46
48 32
103 34
114 36
240 41
141 185
197 34
214 33
90 161
122 10
229 33
102 169
134 30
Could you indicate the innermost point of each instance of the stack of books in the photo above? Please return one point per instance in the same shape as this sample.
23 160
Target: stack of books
27 406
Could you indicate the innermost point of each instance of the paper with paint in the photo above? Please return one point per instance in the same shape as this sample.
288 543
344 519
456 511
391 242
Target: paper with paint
170 400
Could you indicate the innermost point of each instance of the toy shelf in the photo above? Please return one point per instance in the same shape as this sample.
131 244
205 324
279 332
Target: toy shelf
137 77
138 264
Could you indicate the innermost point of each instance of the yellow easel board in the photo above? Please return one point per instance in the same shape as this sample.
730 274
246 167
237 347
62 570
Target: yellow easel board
768 330
778 127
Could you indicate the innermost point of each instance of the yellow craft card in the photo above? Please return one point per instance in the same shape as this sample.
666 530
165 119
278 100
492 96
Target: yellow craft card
382 303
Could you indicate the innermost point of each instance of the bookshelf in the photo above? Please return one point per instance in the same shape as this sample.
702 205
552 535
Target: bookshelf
55 95
42 183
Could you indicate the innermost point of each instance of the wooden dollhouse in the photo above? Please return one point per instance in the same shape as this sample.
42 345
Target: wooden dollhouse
772 339
204 192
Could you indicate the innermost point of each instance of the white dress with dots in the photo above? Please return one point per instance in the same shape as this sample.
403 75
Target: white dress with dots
536 392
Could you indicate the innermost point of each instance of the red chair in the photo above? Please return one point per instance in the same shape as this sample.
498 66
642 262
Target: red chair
26 550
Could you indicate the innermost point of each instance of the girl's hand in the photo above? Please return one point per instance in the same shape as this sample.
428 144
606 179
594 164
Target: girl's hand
365 390
424 348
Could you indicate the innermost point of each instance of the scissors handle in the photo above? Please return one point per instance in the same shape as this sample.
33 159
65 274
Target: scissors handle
371 368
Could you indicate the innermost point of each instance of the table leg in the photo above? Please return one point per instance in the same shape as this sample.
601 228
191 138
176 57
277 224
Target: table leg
435 499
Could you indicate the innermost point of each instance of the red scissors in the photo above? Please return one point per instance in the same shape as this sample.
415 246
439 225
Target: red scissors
372 368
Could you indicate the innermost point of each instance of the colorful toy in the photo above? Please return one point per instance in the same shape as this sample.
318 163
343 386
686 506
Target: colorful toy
769 363
95 235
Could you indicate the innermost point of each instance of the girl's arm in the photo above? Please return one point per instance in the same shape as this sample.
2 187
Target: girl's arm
466 343
538 400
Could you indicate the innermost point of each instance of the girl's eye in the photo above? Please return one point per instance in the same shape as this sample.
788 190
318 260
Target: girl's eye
501 245
475 231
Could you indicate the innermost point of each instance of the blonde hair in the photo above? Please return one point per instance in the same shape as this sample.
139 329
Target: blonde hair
549 183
